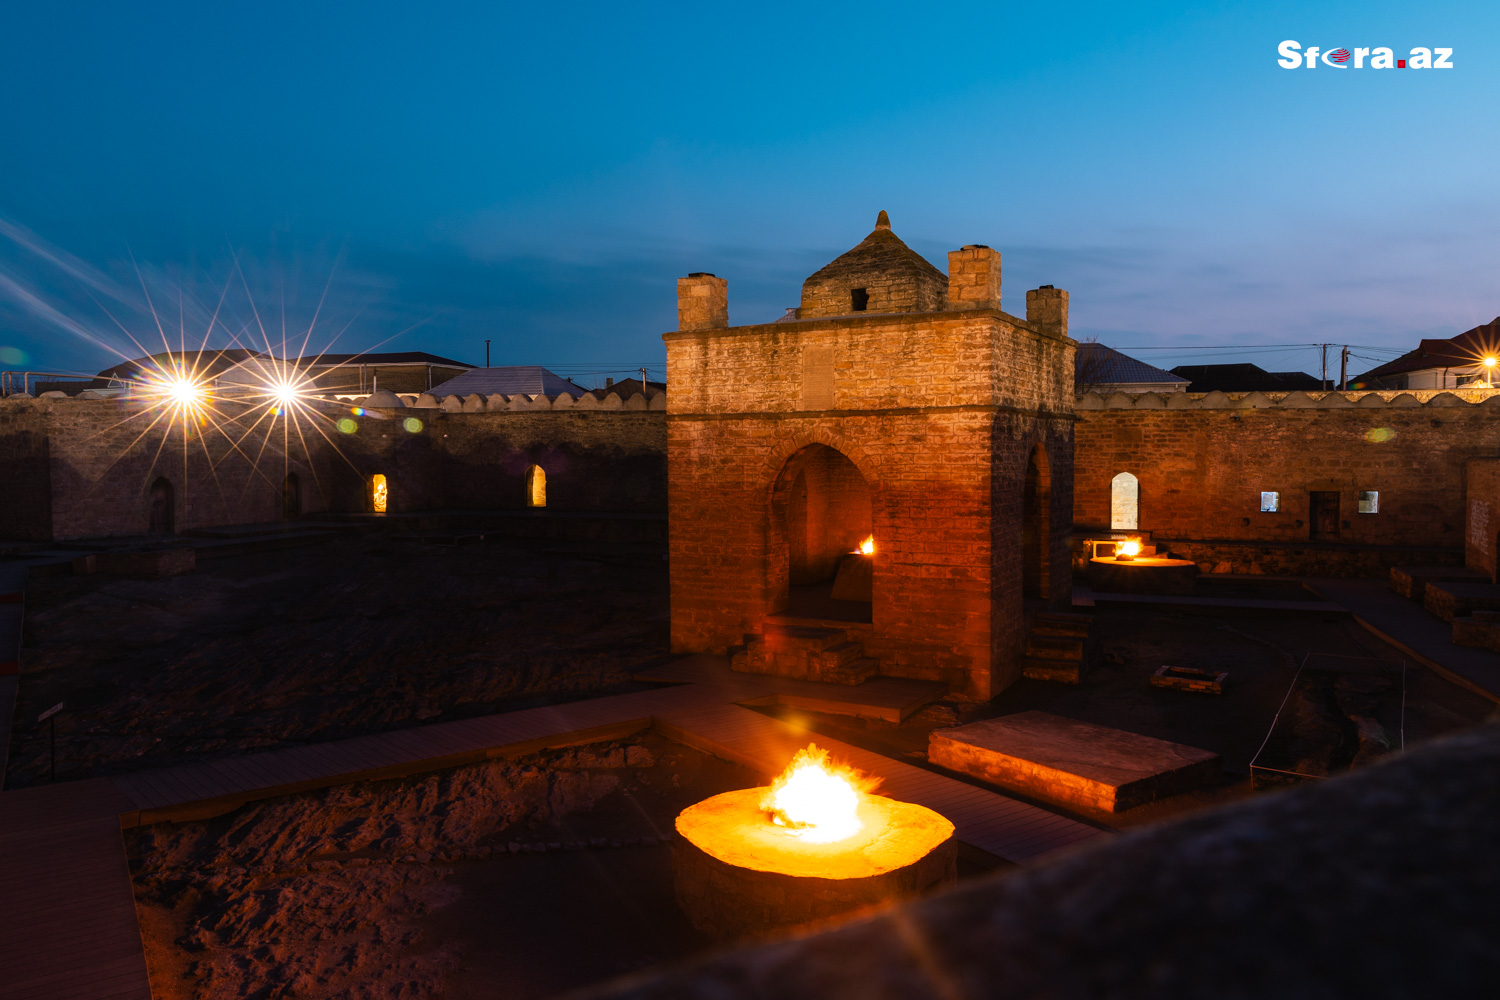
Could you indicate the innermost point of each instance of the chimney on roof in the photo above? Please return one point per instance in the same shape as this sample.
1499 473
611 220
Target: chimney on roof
702 302
1047 310
973 278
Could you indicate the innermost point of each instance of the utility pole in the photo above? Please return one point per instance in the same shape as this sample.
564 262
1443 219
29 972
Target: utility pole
486 353
1344 369
1324 380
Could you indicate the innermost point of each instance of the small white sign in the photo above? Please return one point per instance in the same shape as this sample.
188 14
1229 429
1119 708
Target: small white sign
50 712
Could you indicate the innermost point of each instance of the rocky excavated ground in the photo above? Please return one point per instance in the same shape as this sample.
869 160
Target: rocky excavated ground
506 879
351 637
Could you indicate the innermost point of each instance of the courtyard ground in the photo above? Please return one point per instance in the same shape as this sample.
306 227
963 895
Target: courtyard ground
354 636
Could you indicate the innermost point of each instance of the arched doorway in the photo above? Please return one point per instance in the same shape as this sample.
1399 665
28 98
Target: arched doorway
822 515
1036 526
291 497
162 507
536 486
379 493
1124 503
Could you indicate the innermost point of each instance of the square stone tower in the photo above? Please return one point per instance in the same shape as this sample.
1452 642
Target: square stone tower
897 405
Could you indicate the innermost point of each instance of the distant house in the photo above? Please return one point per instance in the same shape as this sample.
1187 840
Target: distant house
1440 364
203 366
1097 368
398 371
509 380
1244 378
627 387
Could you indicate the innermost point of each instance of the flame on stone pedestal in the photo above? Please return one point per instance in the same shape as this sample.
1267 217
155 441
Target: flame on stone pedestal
867 547
817 799
1130 548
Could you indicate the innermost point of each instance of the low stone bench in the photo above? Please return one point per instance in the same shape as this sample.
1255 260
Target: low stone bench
1457 600
1190 679
1480 631
1411 581
148 564
1072 762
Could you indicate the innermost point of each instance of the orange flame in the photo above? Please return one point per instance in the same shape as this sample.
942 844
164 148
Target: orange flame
816 798
1130 547
867 547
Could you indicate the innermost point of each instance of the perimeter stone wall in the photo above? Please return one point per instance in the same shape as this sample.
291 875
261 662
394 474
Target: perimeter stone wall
1204 460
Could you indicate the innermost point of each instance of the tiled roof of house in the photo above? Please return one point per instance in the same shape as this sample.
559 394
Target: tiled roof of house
510 380
1096 365
1463 351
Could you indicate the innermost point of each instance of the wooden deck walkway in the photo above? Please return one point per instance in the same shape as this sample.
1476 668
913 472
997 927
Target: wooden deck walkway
66 890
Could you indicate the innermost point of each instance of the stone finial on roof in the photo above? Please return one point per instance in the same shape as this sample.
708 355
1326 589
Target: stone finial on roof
882 221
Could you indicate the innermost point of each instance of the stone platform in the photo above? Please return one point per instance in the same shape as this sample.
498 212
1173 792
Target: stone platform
1072 762
1459 600
1143 575
1412 581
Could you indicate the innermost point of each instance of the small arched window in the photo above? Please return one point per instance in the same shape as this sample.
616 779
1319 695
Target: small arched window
162 507
1124 503
536 487
379 493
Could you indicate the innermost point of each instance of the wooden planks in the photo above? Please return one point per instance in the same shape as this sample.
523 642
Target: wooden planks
71 929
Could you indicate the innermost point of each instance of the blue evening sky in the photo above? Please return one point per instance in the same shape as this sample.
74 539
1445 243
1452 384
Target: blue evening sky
540 174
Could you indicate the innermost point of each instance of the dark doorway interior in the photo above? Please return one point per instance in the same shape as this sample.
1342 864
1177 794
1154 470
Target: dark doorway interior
827 515
1035 526
1323 522
291 497
161 507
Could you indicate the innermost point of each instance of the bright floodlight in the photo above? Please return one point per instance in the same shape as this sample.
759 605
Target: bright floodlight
1490 362
183 392
284 393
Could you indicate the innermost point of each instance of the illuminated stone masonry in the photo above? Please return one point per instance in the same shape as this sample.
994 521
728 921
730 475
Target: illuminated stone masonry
896 406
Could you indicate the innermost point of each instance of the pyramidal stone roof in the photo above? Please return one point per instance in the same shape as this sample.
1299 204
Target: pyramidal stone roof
895 277
882 252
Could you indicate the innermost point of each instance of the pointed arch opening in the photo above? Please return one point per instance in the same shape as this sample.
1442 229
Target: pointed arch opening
380 494
162 507
291 497
536 486
1036 526
1124 503
823 549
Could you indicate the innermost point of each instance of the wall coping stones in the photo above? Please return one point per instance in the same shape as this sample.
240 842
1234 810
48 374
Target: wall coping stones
1295 400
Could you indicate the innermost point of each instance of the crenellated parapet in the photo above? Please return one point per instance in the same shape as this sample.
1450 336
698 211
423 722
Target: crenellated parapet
1296 400
498 403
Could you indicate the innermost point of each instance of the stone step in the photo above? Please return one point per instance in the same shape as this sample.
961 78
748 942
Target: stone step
1059 629
1057 671
799 638
838 656
1052 647
854 672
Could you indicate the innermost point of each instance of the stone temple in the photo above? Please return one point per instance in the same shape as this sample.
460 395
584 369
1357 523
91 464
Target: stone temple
897 404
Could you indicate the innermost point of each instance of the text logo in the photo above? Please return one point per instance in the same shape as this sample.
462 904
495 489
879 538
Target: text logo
1293 55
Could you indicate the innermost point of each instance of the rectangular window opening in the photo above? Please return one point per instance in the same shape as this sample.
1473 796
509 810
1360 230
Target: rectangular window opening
861 299
1369 501
1270 502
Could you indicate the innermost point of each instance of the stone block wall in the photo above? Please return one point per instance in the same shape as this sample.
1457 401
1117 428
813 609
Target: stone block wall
1482 516
85 468
1204 460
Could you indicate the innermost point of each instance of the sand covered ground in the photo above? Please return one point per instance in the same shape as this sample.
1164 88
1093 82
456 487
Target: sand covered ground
510 879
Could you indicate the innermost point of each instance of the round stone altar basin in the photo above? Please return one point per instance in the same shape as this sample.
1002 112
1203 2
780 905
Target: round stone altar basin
739 875
1143 575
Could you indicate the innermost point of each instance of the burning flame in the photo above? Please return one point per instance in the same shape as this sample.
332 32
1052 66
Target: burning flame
818 799
1130 547
867 547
